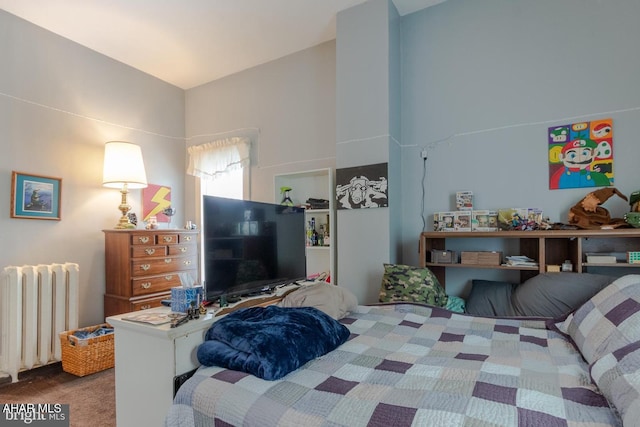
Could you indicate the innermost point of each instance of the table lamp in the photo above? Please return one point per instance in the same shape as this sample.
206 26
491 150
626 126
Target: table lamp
123 169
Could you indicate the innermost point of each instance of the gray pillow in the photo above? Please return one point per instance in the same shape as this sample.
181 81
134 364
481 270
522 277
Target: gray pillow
333 300
490 298
556 294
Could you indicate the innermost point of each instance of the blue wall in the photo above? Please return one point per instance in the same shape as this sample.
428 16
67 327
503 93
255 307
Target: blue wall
483 80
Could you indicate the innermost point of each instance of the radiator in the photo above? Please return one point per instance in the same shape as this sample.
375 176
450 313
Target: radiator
37 302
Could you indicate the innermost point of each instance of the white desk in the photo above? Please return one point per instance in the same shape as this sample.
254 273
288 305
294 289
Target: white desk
148 358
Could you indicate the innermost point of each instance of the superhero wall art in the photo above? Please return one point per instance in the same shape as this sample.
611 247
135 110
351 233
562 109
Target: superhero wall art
581 155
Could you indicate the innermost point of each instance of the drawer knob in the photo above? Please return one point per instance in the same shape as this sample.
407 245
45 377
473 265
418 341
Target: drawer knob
187 238
146 285
145 267
143 239
168 239
150 251
183 249
167 260
187 263
168 277
144 307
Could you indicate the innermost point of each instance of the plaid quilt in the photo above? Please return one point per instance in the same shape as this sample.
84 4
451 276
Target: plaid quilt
411 365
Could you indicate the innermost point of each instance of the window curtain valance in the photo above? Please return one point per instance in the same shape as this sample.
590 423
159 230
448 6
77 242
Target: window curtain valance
210 160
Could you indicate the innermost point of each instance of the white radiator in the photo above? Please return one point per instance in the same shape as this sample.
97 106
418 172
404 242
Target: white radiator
37 302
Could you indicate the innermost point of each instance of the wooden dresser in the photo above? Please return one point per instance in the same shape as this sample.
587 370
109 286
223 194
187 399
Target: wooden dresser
141 267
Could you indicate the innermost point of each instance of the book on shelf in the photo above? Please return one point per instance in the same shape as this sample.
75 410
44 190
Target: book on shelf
520 261
601 259
606 257
149 318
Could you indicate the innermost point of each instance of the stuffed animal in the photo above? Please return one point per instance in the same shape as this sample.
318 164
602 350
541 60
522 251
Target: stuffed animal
589 214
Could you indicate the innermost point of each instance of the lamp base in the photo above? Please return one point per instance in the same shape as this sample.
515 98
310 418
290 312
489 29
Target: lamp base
124 207
124 223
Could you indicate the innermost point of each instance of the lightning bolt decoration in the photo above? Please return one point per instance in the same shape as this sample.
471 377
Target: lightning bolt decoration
155 199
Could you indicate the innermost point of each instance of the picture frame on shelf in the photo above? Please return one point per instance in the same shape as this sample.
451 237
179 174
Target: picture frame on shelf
35 196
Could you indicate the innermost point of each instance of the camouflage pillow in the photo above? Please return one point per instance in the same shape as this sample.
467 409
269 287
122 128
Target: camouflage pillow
411 284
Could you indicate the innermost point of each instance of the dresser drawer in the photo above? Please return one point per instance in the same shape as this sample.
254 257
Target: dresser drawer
143 239
154 284
149 302
167 239
186 238
183 250
140 251
163 238
152 266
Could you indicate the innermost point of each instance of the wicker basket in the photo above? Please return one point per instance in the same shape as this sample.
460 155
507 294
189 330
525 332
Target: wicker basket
87 356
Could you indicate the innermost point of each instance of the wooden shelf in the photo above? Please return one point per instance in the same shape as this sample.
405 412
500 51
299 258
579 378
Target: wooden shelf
550 247
612 265
493 267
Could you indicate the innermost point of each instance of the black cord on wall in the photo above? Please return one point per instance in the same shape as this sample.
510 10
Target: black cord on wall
424 192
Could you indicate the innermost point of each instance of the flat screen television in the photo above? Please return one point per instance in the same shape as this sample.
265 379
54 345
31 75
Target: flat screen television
251 246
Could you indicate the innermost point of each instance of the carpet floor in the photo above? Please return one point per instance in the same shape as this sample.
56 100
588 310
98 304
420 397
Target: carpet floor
91 398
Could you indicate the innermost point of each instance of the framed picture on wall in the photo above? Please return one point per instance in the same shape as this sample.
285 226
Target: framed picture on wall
35 196
581 154
362 187
156 199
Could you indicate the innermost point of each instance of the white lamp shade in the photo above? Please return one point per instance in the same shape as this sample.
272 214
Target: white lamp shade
123 164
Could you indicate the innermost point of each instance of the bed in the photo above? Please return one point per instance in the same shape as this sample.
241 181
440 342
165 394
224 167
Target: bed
407 364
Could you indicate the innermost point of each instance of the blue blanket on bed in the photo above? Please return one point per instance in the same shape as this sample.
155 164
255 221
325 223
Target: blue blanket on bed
269 342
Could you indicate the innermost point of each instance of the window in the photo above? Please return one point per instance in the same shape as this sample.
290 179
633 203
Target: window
229 184
221 168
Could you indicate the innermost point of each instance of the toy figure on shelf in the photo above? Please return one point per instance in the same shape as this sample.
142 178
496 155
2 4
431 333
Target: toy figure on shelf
515 220
588 213
286 200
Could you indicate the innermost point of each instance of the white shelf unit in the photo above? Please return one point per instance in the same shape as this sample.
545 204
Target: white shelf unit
317 184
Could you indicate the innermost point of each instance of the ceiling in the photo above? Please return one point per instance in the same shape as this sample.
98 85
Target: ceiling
191 42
